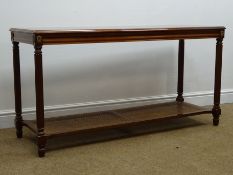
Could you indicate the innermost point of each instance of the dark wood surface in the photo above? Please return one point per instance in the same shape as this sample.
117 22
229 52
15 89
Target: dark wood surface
96 35
39 99
180 82
216 111
17 90
118 118
46 128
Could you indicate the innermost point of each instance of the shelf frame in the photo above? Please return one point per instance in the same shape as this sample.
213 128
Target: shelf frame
121 118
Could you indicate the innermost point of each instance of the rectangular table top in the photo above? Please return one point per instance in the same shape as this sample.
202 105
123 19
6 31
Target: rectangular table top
45 36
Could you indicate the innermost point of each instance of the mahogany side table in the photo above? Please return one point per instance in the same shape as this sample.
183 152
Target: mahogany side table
91 122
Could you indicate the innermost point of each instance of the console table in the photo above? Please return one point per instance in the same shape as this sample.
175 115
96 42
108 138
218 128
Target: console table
47 128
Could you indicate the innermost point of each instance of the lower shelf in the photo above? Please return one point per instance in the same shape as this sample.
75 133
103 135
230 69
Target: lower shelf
116 119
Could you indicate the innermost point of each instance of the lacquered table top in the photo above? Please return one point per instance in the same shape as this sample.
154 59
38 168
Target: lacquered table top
53 36
113 29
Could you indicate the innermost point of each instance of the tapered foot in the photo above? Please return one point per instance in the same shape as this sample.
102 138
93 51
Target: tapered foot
41 152
19 133
216 121
216 112
41 141
19 127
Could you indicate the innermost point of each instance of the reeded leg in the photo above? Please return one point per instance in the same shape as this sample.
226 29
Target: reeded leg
216 111
41 139
17 89
180 72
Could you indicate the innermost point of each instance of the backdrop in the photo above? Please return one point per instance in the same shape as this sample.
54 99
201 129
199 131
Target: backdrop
91 76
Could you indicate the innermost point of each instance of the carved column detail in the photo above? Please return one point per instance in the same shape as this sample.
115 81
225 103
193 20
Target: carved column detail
216 111
17 89
39 98
180 84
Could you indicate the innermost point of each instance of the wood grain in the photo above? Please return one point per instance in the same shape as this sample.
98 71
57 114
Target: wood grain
119 118
109 119
80 36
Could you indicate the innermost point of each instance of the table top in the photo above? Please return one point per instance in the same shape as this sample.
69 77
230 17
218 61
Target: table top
46 36
112 29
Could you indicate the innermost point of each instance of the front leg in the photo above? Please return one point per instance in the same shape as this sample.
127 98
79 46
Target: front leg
41 139
180 83
17 90
216 111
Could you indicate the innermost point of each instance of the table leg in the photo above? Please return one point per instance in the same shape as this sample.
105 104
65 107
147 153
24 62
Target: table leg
180 85
41 139
17 89
216 111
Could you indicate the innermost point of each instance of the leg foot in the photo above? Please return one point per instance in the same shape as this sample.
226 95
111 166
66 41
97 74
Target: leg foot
41 145
41 153
216 112
19 134
216 121
19 128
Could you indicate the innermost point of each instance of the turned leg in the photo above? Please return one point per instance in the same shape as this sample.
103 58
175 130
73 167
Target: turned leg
41 139
216 111
17 89
180 84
